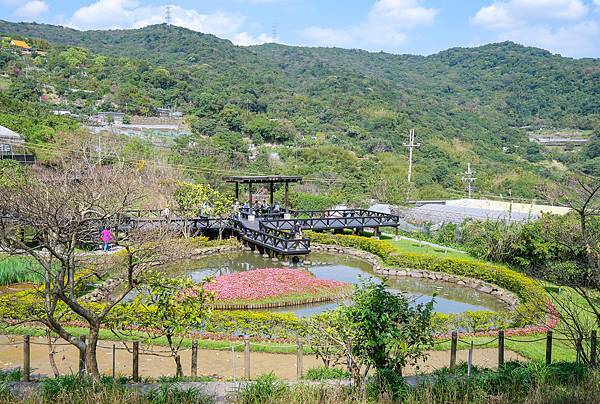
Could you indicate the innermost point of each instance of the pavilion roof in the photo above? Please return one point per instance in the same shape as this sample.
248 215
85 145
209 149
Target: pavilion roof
262 179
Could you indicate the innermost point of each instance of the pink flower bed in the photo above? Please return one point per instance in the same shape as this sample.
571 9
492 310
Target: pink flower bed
260 284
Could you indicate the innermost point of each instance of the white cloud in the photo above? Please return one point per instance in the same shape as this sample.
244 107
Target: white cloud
505 14
577 40
32 9
561 26
112 14
384 27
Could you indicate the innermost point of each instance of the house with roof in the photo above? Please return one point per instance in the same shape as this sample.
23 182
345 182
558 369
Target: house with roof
12 147
20 44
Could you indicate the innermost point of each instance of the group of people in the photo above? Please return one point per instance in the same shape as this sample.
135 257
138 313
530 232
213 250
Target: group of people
257 208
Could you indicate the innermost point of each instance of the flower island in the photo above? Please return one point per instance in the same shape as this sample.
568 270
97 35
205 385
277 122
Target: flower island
274 287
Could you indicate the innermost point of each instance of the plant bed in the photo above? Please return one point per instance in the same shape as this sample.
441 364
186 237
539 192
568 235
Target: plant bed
274 287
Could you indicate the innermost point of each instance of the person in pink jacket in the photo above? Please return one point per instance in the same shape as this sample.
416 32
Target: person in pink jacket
106 237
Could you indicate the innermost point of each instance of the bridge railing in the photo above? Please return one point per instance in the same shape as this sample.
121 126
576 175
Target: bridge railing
273 239
333 219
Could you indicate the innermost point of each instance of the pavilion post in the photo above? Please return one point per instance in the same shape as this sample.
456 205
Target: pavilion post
250 195
287 204
271 193
237 191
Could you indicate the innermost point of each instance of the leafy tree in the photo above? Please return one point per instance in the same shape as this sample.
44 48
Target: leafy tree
169 308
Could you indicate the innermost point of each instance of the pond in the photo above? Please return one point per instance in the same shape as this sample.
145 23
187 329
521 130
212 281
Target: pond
450 298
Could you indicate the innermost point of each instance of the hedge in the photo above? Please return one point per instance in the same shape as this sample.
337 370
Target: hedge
531 295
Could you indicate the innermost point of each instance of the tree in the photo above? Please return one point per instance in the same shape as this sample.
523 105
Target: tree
379 329
579 267
168 308
63 209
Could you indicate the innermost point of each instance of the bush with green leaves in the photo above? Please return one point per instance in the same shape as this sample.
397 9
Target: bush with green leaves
326 373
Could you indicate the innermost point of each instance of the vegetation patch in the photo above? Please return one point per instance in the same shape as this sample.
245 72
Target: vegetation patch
274 286
530 311
15 269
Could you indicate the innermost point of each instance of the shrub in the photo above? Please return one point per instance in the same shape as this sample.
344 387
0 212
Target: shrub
266 388
326 373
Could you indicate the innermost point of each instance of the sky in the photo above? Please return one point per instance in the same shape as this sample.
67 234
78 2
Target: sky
568 27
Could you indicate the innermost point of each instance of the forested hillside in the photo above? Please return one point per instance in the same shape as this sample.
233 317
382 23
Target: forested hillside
333 114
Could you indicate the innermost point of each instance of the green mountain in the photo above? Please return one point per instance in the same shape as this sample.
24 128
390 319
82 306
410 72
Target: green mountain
466 104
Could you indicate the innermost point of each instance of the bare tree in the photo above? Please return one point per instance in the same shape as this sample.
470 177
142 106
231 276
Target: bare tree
61 210
579 270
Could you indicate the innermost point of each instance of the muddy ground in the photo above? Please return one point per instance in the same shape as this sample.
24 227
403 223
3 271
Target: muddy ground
217 363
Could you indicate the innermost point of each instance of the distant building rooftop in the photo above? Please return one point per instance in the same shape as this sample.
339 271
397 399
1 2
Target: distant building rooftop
8 135
20 44
459 210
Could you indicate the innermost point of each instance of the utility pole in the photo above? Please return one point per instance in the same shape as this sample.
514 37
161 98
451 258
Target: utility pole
168 15
469 179
411 145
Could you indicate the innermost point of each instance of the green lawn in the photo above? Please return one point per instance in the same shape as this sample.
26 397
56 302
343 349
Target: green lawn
409 246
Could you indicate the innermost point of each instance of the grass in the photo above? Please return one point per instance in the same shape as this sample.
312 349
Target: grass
18 269
4 84
325 373
409 246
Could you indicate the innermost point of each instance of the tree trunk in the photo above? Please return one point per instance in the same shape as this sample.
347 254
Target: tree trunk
51 356
179 372
91 362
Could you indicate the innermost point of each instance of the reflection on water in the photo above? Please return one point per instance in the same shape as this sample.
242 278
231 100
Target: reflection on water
449 297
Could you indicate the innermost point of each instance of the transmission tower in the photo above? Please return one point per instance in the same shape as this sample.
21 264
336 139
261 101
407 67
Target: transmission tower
411 145
168 15
469 179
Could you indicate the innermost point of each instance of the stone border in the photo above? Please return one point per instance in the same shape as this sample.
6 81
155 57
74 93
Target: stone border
501 294
103 291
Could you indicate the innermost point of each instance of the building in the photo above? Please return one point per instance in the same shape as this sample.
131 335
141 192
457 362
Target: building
459 210
104 118
20 44
12 147
168 113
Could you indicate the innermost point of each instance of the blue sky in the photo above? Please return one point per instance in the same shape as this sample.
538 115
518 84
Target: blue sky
568 27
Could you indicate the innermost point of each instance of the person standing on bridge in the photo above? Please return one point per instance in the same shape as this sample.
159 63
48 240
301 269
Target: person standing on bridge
297 230
106 237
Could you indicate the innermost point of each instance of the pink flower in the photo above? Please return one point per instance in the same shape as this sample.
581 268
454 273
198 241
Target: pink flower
259 284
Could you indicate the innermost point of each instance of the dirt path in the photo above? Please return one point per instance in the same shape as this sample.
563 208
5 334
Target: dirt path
210 362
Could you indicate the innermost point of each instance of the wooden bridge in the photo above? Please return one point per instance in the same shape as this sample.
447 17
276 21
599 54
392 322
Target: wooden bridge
272 231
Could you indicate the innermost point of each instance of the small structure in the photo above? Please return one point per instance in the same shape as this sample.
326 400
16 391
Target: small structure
104 118
12 147
168 113
263 179
20 44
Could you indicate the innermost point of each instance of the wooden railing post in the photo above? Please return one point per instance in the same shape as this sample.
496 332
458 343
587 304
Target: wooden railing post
549 347
247 357
299 360
500 348
136 361
195 358
593 349
82 357
453 345
26 358
114 361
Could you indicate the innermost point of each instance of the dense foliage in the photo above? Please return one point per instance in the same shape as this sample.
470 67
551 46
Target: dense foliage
338 117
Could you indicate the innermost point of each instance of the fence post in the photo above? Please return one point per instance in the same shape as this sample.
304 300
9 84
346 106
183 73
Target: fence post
195 357
114 360
26 358
453 350
136 361
593 348
500 348
470 364
549 347
299 360
247 357
82 356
